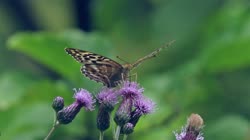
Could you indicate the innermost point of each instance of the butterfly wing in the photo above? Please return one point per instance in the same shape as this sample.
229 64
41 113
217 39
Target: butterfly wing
97 67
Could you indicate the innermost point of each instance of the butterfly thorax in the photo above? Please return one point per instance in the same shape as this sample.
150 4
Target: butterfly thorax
126 69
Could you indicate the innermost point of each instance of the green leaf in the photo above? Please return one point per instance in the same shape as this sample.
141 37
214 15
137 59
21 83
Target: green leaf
48 49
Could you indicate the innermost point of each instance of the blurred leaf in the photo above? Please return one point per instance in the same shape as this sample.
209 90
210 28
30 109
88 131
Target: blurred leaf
26 120
30 123
228 56
227 128
46 91
12 88
180 20
56 15
48 49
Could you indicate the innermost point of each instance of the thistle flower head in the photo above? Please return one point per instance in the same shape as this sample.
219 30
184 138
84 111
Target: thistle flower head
131 90
194 122
108 98
122 115
192 131
144 106
84 98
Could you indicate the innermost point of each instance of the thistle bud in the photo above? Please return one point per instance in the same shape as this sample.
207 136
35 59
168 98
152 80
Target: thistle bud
67 115
103 119
127 129
194 123
58 103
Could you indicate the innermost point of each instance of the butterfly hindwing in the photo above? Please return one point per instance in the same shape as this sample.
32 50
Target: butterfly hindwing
97 67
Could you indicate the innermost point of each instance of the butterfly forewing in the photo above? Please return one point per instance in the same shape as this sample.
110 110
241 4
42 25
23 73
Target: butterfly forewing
97 67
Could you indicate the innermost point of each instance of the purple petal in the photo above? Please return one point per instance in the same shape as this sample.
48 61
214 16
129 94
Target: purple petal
144 106
107 96
84 98
131 90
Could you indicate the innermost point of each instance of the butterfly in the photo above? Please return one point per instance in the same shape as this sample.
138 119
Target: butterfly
105 70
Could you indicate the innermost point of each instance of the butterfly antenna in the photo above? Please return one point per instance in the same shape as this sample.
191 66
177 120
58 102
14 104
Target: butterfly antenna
152 54
122 59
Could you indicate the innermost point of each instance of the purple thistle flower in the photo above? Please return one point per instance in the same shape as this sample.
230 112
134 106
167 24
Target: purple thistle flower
108 98
144 106
187 135
122 115
131 90
192 131
84 98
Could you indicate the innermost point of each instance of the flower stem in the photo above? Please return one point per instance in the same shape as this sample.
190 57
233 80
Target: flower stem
101 135
112 126
55 124
117 132
125 137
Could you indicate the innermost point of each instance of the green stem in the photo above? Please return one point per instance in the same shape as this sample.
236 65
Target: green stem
117 132
125 137
55 124
101 135
112 126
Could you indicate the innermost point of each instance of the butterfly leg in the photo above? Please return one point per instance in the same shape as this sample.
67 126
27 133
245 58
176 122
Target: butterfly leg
133 75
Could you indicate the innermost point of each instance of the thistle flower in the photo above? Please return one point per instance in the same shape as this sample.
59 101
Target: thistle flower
107 99
142 106
82 99
122 115
192 131
58 104
131 90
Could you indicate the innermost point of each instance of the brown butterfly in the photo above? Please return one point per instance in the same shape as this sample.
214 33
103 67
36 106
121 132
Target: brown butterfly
105 70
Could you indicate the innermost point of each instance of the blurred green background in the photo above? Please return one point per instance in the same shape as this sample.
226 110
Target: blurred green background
206 71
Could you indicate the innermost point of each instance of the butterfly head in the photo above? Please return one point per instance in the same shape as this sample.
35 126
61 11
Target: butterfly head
127 67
